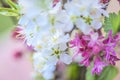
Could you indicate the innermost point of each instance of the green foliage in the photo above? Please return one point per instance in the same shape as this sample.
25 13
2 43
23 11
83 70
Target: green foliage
12 4
75 72
108 73
0 4
8 12
112 22
12 11
71 70
6 24
89 75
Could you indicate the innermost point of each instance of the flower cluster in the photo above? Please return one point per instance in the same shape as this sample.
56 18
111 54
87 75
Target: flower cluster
47 26
97 48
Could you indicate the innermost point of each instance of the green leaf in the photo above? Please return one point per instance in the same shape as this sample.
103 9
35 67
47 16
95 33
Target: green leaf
6 24
112 22
75 72
8 12
89 75
108 73
12 4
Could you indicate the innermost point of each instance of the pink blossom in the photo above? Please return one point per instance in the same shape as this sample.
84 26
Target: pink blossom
94 47
109 45
98 66
104 1
119 1
81 46
86 62
112 59
18 33
95 42
55 2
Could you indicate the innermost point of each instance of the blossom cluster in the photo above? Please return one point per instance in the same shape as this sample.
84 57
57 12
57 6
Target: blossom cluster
47 26
96 48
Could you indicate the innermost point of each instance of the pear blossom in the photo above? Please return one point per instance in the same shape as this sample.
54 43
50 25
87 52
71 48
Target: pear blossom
85 28
36 7
62 21
84 9
52 52
46 61
86 16
42 65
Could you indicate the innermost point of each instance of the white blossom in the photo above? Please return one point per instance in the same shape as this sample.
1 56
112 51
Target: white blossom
84 9
41 65
85 28
47 29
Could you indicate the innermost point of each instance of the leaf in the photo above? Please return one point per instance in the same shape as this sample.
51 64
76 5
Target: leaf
112 22
12 4
89 75
108 73
75 72
8 12
6 24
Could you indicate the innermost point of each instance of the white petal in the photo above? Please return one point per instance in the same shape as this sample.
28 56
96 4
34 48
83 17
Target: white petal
23 21
96 24
48 75
72 10
63 46
42 20
86 29
52 60
105 13
94 36
49 68
67 59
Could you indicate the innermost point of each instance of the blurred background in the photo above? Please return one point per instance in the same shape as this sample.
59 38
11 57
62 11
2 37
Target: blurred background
14 55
